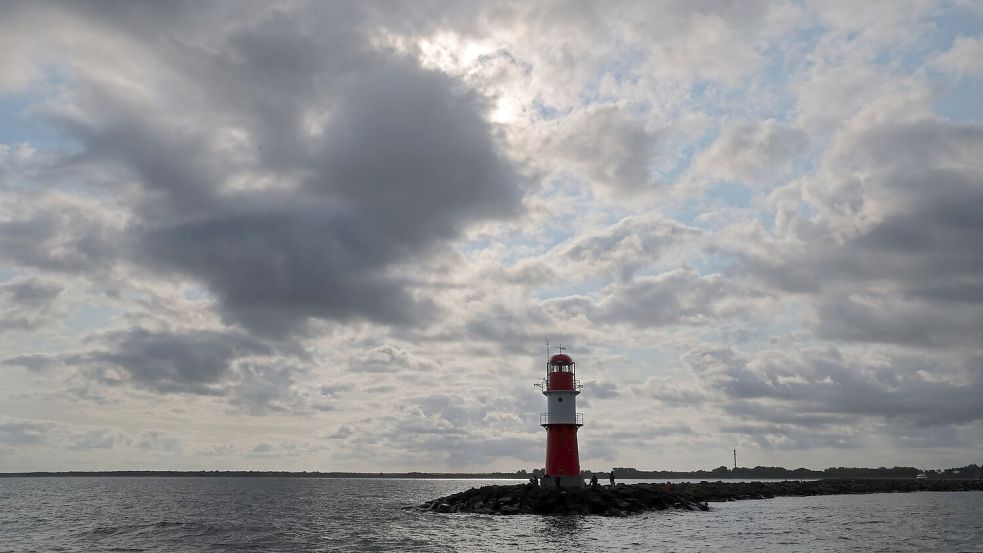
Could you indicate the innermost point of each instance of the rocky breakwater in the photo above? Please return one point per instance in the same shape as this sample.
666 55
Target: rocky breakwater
623 500
620 500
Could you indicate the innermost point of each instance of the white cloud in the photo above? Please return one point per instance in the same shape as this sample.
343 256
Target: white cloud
964 59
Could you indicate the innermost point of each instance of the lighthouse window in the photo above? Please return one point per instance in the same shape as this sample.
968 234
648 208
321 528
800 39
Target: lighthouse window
559 399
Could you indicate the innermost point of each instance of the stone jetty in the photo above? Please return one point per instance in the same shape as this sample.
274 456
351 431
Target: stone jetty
628 499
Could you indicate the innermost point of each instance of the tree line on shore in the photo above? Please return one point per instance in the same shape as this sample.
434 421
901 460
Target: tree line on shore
968 472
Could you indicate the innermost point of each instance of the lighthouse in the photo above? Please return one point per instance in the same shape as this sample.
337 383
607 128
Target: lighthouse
561 421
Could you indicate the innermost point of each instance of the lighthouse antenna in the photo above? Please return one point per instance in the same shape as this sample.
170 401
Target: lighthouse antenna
547 350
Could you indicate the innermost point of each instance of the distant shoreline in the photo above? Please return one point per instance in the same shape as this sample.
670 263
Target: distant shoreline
625 475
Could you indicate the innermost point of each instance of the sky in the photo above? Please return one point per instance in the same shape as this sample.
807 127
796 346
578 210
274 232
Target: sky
336 235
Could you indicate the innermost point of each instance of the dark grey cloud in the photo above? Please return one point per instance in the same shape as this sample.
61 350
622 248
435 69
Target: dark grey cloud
911 321
892 257
199 362
254 376
776 436
263 387
27 303
59 238
30 292
601 389
32 361
406 162
360 161
820 385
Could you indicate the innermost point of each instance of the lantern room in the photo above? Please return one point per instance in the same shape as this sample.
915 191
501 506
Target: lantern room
561 373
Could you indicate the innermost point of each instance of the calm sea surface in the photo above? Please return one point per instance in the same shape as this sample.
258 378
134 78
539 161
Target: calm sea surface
293 514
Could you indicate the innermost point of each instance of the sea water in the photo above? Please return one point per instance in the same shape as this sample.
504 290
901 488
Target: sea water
306 514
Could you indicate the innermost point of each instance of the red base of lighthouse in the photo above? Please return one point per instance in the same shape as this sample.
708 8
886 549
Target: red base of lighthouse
562 457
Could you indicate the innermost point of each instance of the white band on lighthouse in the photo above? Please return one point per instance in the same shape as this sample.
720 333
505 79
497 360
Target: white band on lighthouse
561 407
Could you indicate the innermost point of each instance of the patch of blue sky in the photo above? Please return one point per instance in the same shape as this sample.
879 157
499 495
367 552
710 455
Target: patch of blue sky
939 35
197 294
957 20
7 275
716 100
684 158
21 122
730 193
766 218
90 317
770 91
16 127
721 194
961 102
547 112
713 263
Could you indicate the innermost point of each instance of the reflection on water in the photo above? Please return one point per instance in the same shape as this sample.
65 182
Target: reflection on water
236 514
562 528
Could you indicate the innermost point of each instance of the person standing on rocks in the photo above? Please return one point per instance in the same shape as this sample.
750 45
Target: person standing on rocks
593 480
611 477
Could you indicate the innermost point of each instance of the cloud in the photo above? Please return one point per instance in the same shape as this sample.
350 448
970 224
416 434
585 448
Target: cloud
678 297
22 433
623 248
94 439
884 261
964 59
28 303
912 389
406 163
386 359
340 434
56 235
608 145
197 362
752 153
33 361
158 441
299 209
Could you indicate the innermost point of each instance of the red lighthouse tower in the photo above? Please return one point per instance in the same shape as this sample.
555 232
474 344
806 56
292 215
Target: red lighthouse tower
561 421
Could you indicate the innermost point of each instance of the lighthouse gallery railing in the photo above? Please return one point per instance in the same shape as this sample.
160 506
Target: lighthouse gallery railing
577 386
544 418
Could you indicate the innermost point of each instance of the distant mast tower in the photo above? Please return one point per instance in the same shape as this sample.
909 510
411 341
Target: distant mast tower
561 421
